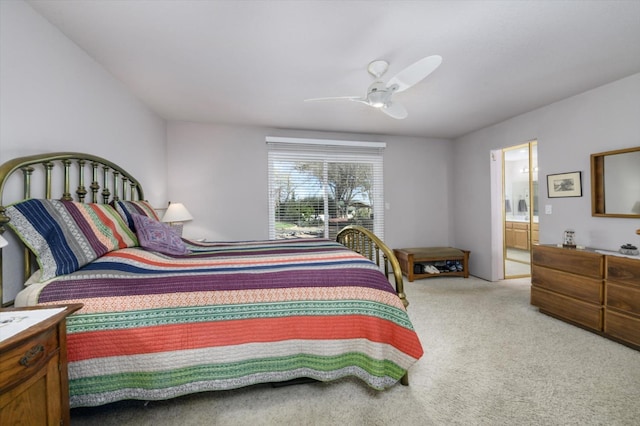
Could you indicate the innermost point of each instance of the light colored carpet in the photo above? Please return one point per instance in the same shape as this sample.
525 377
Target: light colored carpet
490 359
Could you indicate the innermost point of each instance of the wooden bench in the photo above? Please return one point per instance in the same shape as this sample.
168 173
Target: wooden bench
409 257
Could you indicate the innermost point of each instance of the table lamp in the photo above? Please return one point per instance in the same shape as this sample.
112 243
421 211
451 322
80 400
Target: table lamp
176 215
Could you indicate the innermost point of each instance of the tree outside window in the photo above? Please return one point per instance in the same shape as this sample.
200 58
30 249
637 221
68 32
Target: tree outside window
318 198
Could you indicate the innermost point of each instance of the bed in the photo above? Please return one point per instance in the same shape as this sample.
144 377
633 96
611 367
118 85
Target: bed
165 317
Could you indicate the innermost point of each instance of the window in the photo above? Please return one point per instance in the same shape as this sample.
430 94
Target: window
317 187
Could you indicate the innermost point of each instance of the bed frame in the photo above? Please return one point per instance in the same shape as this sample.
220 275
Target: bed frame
109 182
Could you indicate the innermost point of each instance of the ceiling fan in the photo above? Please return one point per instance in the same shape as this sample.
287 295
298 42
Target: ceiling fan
379 94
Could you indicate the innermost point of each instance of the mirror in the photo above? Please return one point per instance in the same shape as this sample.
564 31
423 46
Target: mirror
615 183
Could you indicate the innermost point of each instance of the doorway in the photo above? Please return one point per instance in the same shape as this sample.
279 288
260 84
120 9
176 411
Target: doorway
520 207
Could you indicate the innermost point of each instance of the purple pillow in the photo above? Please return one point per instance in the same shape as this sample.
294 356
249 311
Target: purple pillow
158 236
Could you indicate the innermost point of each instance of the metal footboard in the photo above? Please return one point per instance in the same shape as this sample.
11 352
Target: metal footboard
365 242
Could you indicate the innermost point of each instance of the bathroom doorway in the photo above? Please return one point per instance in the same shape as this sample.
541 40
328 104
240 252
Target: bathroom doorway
520 207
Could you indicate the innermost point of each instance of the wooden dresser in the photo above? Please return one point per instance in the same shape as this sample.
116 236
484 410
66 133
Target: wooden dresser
569 284
34 387
598 292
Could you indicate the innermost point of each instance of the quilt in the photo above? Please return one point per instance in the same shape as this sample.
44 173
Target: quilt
228 315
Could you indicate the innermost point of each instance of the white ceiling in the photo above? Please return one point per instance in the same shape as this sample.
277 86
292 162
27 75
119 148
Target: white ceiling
254 62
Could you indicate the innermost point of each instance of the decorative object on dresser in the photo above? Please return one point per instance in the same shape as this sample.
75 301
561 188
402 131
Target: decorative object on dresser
569 239
629 249
595 291
414 260
34 386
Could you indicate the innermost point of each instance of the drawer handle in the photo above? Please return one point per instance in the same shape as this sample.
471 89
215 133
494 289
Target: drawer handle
31 355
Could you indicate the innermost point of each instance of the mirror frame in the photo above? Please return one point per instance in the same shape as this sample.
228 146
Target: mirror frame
597 184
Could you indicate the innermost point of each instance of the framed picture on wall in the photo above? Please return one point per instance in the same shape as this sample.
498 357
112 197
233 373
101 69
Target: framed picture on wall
564 185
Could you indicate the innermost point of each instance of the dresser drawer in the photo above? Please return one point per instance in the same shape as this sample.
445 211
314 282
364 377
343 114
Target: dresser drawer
623 270
623 327
624 298
583 313
583 288
580 262
20 362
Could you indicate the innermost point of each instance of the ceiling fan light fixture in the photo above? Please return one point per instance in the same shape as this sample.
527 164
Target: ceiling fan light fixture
377 98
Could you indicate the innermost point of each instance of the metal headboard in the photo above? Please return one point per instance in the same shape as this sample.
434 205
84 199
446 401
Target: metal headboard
106 182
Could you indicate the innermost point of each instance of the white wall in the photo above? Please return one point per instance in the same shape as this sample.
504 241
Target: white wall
220 174
54 97
57 98
568 132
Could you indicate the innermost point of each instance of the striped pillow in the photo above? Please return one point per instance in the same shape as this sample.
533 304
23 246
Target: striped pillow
128 208
66 235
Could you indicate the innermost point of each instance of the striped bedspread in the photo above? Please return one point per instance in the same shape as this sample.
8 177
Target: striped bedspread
229 315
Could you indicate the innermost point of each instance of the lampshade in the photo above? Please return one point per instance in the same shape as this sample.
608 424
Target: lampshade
177 212
3 242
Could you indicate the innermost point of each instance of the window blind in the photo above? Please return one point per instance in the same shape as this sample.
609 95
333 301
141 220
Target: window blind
316 187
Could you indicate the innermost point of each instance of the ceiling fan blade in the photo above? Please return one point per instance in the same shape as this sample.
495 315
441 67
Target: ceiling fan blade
415 72
395 110
338 98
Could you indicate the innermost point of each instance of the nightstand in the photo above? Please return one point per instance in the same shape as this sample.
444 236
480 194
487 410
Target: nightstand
34 387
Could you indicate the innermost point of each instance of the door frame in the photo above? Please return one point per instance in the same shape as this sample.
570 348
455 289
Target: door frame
497 232
498 248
